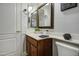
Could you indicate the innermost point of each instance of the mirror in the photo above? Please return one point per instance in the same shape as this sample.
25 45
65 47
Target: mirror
34 19
44 13
43 17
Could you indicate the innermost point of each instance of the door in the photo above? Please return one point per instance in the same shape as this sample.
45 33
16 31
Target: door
8 29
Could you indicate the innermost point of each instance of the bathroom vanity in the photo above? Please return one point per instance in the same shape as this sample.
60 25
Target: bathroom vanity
36 47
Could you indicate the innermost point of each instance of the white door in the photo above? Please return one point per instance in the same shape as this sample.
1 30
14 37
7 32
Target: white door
7 29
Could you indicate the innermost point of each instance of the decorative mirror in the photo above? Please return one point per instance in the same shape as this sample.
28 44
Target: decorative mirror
45 14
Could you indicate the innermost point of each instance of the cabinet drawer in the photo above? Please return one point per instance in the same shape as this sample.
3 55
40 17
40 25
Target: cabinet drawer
32 41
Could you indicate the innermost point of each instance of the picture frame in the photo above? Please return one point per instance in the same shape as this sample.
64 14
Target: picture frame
66 6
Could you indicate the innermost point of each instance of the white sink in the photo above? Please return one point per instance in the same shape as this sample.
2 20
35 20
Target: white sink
43 36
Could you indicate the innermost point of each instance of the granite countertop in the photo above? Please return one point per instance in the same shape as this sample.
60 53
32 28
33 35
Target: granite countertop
55 36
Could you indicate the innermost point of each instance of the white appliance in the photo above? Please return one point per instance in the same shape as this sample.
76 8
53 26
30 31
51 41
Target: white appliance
65 49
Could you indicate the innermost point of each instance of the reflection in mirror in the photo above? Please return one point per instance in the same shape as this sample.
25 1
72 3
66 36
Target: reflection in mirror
45 16
34 19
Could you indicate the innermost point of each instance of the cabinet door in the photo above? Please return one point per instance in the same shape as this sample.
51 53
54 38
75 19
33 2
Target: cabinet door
26 45
33 51
47 51
47 47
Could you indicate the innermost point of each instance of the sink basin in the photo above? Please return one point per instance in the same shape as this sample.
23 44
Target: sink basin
44 36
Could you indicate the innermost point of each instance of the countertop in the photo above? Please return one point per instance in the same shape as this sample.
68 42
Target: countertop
55 36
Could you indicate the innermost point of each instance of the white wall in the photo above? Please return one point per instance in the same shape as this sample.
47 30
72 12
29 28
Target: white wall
66 21
18 28
24 20
21 28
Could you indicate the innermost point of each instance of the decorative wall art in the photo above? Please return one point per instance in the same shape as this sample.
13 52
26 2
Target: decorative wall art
66 6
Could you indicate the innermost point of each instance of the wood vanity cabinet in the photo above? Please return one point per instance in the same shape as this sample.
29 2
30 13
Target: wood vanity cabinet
38 47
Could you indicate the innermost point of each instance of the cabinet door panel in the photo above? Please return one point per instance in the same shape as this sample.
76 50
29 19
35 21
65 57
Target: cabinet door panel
32 41
47 51
40 52
33 51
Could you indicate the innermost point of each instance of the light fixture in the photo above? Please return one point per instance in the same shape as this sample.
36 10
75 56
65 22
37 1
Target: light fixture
29 8
25 11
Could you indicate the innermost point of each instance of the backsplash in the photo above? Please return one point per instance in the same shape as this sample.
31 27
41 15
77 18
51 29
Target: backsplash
74 36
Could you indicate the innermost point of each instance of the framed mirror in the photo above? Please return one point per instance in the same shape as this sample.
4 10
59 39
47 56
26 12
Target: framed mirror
45 14
34 19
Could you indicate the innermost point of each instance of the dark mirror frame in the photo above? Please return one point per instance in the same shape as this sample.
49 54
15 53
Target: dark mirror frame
51 20
52 17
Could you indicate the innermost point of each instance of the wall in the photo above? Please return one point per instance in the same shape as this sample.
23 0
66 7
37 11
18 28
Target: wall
24 20
66 21
18 29
21 28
